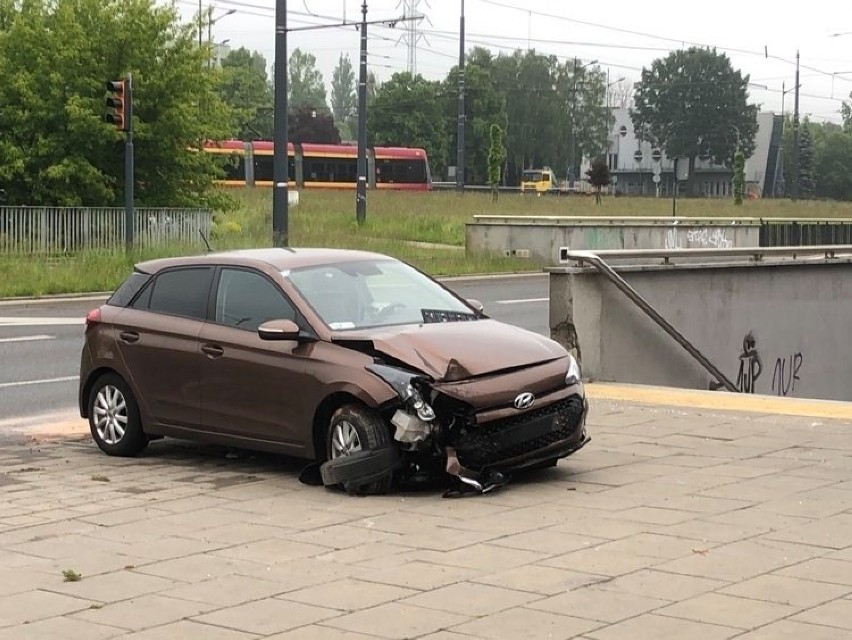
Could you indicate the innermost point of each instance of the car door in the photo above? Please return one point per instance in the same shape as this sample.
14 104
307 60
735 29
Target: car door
252 387
157 337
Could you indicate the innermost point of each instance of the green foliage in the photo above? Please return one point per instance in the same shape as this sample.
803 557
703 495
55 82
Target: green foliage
599 176
834 166
496 154
309 125
846 114
344 102
694 103
485 105
244 86
407 111
306 87
807 179
56 149
739 176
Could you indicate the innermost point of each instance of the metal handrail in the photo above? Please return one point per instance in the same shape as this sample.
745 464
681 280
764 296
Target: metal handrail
595 260
758 253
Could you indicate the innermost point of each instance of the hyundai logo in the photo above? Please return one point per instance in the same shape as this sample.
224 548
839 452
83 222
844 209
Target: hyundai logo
524 401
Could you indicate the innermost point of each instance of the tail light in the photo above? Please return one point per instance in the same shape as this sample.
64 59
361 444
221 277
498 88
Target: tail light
93 318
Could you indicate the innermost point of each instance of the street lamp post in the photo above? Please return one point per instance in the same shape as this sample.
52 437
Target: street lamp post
210 22
572 145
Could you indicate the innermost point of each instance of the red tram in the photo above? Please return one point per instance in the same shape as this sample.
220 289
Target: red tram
324 166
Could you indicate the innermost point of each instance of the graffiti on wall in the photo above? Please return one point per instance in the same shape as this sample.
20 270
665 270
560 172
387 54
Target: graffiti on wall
786 374
702 238
750 365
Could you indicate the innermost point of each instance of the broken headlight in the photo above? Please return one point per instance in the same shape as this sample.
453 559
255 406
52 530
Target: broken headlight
574 375
402 382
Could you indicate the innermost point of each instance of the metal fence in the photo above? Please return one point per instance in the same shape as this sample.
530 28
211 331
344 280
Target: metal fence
61 230
804 233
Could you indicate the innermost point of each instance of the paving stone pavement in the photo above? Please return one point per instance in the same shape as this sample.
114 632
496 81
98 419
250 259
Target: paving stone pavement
671 523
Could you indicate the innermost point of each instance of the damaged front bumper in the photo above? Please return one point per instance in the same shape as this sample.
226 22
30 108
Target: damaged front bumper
513 443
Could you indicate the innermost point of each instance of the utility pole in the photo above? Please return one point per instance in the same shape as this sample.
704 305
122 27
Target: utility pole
572 142
796 134
361 195
460 169
200 26
128 166
280 162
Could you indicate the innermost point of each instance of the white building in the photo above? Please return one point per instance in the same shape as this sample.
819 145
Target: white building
638 168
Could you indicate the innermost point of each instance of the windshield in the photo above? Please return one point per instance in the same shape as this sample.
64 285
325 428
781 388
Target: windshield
372 293
533 176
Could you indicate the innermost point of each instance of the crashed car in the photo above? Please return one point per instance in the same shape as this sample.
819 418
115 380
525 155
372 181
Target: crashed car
355 361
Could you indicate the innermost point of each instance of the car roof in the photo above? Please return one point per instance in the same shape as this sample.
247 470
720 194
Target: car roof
280 259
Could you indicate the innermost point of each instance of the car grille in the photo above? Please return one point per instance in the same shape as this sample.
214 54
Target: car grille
517 436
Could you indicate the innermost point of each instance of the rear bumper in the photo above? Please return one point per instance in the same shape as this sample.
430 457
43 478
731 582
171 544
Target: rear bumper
552 432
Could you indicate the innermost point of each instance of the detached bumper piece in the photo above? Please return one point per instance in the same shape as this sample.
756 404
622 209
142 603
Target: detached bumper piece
548 433
360 468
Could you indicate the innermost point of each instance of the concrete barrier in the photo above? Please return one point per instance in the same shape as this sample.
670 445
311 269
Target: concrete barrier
776 326
539 237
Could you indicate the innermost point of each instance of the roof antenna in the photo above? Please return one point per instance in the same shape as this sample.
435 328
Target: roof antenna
203 237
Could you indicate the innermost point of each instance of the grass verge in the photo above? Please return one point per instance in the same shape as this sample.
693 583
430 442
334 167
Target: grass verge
425 229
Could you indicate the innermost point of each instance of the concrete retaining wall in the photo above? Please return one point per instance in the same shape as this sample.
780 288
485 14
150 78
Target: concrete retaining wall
780 328
539 238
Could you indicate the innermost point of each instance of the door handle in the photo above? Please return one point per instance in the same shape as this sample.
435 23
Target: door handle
129 336
212 350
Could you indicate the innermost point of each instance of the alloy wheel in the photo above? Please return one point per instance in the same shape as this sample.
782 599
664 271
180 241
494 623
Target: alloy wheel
110 409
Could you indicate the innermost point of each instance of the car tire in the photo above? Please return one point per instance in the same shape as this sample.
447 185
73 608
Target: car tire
114 417
355 429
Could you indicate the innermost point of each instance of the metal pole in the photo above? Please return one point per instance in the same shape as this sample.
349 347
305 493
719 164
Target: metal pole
796 135
280 162
460 168
361 195
209 37
128 165
572 141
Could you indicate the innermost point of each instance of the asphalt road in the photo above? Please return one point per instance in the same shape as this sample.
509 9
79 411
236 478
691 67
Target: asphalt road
40 341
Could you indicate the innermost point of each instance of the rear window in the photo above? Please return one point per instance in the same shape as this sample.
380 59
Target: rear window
128 289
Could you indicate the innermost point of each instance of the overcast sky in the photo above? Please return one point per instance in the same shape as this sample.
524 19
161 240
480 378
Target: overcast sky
622 36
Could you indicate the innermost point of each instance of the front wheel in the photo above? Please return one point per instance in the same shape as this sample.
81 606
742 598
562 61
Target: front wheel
360 453
114 417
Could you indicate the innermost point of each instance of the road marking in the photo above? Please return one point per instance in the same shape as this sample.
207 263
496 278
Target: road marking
523 301
27 338
23 321
24 383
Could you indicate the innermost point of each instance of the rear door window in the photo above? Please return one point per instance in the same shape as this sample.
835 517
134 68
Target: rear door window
246 299
180 292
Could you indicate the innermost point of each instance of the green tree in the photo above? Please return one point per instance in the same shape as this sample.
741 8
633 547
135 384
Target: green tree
306 87
309 125
496 154
407 111
834 167
583 90
245 87
599 176
692 103
344 102
56 149
846 114
807 179
485 105
739 176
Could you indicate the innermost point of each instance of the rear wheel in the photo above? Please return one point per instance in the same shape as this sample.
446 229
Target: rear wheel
114 417
355 432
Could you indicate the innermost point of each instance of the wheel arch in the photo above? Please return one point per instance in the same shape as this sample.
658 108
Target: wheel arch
326 409
86 387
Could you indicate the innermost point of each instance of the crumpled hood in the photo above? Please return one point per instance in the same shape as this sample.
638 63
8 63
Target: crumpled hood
454 351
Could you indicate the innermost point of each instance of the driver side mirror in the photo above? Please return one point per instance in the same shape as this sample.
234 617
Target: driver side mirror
477 306
279 330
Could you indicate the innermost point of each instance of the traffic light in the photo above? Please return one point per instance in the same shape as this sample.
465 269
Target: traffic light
117 102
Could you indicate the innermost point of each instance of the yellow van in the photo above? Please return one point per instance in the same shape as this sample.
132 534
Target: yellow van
538 181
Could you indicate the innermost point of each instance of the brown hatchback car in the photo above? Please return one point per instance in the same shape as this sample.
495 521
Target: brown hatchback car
356 361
